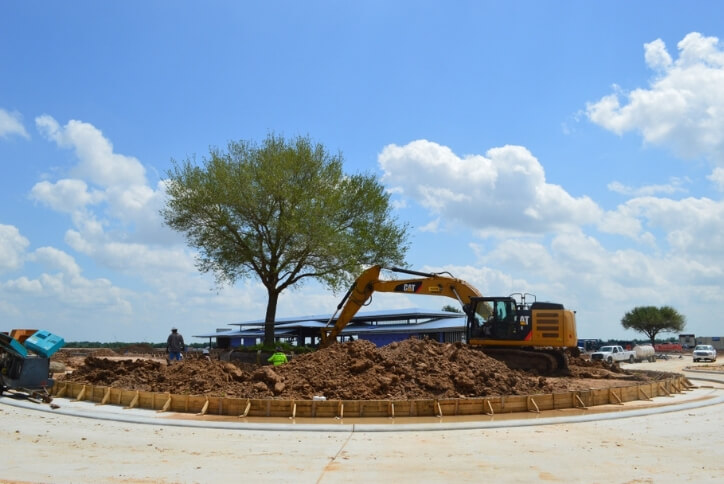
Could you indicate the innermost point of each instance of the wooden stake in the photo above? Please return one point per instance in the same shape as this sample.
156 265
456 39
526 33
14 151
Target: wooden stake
611 392
134 402
106 397
167 404
246 411
204 408
663 388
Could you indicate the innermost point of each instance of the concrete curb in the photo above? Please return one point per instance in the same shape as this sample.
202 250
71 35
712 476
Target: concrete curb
712 396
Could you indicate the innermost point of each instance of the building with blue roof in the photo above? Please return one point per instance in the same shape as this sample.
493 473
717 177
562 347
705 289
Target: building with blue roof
379 327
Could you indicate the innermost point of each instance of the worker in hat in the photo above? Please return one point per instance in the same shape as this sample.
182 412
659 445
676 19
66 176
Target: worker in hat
174 345
278 358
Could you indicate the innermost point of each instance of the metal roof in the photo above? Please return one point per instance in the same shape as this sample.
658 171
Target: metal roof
434 320
241 334
456 324
382 315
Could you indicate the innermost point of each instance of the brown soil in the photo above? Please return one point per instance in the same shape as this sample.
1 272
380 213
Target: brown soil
358 370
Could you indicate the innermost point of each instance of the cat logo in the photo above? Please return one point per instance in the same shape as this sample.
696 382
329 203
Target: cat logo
408 287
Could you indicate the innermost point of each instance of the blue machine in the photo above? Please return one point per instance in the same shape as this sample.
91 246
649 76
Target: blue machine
44 343
26 371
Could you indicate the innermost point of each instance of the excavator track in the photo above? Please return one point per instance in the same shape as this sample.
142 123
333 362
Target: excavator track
542 361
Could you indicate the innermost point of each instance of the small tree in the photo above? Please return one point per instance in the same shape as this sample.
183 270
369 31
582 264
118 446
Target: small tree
283 212
651 320
451 309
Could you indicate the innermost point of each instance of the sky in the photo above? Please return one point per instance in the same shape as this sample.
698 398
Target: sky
572 150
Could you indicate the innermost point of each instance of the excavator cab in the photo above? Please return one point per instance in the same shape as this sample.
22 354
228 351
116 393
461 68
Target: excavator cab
500 318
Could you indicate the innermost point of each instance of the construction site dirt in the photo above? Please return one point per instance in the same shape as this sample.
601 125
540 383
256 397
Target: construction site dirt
357 370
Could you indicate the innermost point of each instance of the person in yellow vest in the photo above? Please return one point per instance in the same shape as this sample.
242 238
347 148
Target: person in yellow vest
278 358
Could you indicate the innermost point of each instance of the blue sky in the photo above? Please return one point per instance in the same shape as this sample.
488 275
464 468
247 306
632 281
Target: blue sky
574 150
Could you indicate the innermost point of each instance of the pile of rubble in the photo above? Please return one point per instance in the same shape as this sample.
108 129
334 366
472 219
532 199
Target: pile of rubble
358 370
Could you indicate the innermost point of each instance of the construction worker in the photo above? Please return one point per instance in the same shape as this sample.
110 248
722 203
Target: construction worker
278 358
174 345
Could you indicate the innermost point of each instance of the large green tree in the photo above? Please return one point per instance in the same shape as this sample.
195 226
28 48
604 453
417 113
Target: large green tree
282 211
651 320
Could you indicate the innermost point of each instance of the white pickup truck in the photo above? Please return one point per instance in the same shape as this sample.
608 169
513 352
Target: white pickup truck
613 353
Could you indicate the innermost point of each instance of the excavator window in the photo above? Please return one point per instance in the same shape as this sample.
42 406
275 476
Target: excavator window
503 310
478 322
503 318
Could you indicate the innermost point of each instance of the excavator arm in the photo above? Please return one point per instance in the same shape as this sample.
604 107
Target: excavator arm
369 282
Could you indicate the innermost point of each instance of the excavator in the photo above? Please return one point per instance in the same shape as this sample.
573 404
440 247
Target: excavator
524 334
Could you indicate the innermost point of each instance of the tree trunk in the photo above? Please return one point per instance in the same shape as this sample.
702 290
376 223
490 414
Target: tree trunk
652 335
271 311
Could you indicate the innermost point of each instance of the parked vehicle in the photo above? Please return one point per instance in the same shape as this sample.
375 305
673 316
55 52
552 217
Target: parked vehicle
644 353
704 352
613 353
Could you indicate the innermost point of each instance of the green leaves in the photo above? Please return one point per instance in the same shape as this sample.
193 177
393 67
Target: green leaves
651 320
282 211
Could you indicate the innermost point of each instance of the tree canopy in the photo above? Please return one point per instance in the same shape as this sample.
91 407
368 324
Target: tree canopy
283 212
452 309
651 320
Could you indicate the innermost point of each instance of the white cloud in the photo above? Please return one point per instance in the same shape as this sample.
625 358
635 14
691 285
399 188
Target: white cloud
432 226
693 226
110 203
12 124
683 109
67 195
717 176
98 163
623 221
690 227
12 248
59 290
674 186
55 259
656 55
504 191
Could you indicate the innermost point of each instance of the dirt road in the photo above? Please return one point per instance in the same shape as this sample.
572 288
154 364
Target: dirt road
681 446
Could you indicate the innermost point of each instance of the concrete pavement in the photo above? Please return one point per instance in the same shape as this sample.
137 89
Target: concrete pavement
684 444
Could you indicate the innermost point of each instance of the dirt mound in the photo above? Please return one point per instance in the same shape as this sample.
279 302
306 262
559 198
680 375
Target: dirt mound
358 370
405 370
188 377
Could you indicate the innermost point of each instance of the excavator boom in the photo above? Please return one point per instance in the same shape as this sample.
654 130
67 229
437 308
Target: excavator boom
369 282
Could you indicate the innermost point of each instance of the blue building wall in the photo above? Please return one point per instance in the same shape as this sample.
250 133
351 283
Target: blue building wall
387 338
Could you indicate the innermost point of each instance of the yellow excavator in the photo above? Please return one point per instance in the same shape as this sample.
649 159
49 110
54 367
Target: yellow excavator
524 334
